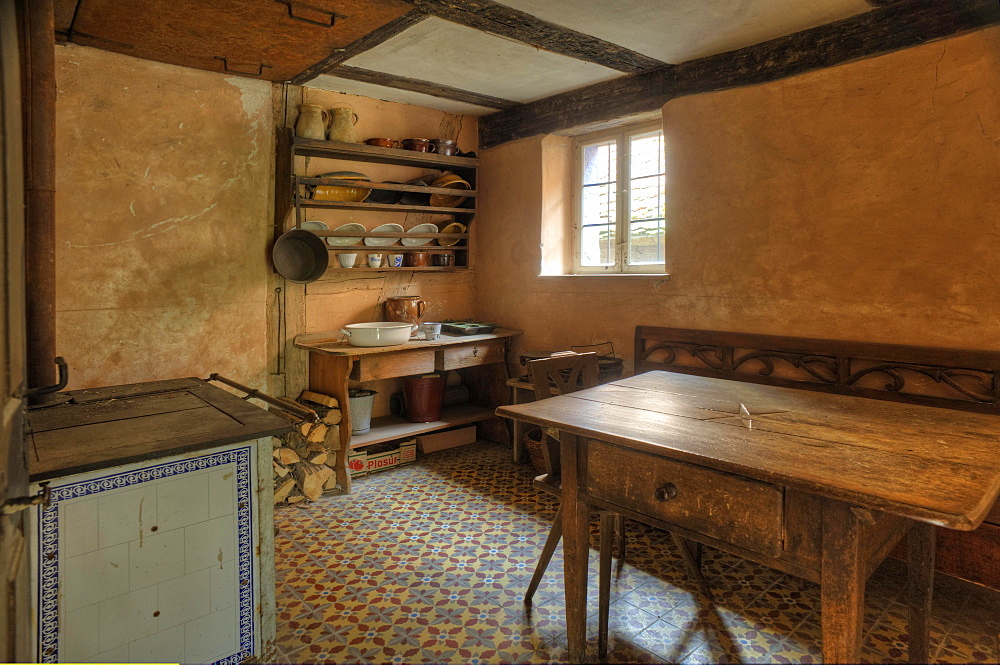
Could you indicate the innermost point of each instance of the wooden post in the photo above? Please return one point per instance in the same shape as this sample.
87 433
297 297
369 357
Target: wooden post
576 548
920 588
842 589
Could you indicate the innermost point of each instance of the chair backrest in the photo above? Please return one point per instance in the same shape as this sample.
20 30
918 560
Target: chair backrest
557 376
563 374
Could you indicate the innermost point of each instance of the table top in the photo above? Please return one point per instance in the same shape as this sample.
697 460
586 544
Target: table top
99 428
332 342
930 464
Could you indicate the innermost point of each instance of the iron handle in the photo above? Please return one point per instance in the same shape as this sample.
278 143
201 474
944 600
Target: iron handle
43 498
665 492
45 390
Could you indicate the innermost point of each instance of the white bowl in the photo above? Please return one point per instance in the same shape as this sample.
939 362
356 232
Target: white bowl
353 226
377 334
314 226
383 242
420 228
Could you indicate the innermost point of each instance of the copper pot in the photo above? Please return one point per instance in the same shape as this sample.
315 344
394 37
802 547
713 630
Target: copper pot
405 309
418 145
418 259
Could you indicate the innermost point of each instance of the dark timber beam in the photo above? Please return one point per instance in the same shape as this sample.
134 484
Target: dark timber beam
424 87
896 26
503 21
369 41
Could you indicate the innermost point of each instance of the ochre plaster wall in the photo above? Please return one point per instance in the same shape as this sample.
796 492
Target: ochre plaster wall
342 297
858 202
163 220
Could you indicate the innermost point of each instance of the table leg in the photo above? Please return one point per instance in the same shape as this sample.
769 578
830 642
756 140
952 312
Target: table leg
921 543
576 549
608 520
842 584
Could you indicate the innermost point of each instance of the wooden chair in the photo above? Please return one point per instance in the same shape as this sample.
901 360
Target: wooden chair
560 375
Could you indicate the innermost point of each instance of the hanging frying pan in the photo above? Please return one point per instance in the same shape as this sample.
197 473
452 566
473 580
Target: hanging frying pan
300 256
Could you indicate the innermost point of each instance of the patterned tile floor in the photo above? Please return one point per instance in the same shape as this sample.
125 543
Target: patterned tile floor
429 562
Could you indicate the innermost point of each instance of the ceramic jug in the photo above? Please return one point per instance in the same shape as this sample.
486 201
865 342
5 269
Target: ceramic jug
312 121
405 309
342 123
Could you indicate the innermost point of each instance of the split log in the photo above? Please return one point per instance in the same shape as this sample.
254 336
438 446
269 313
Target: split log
296 499
286 456
318 433
282 492
331 484
318 458
333 417
319 398
311 478
279 470
316 447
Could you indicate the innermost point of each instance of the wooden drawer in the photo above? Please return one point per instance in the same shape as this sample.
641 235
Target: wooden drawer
737 510
469 355
387 365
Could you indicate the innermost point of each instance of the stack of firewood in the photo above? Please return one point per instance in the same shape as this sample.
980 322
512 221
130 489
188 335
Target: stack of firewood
305 458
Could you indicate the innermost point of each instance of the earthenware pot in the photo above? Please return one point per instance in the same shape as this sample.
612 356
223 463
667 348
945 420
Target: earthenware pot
312 122
342 123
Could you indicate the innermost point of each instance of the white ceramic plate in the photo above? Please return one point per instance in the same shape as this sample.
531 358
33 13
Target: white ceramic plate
382 242
353 226
314 226
420 228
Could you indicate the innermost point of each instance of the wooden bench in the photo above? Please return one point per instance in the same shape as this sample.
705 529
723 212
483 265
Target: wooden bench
949 378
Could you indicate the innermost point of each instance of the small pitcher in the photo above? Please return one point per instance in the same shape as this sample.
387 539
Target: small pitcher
406 309
342 125
312 121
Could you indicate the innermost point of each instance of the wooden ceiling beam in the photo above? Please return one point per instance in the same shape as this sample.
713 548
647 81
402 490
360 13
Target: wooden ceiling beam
423 87
369 41
899 25
503 21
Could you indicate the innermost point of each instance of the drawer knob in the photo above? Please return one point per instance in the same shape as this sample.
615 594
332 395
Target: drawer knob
475 351
666 492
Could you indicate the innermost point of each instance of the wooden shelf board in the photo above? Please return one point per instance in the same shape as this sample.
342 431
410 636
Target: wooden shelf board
389 428
413 269
383 207
387 186
360 152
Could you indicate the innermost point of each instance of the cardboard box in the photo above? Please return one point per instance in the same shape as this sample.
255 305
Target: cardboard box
448 439
363 461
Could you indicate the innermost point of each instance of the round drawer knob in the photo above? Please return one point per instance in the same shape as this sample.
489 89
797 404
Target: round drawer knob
666 492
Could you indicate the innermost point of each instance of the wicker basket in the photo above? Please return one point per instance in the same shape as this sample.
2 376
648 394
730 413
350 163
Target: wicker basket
533 444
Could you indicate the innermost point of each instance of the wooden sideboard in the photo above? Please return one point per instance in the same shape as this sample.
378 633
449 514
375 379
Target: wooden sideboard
481 359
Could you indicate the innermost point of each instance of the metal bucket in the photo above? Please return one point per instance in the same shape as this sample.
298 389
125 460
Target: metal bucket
361 410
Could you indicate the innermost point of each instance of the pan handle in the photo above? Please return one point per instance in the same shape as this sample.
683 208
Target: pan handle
297 410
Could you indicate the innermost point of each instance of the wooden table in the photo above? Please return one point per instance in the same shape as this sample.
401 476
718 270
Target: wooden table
817 485
334 365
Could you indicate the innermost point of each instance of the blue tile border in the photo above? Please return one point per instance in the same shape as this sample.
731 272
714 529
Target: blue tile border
48 550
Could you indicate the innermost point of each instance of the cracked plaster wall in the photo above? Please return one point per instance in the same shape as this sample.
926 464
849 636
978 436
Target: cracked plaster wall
163 181
857 202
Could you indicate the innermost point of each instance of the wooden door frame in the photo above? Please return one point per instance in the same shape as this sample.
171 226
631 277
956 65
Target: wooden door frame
15 614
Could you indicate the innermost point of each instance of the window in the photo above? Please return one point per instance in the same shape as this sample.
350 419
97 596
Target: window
620 185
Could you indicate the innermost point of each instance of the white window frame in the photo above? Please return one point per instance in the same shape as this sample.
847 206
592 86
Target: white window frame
623 136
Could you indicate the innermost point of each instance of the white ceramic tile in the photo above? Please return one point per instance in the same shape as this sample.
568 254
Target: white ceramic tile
78 635
222 491
225 586
93 577
116 655
125 515
181 501
78 527
210 638
127 618
156 559
209 543
166 646
184 598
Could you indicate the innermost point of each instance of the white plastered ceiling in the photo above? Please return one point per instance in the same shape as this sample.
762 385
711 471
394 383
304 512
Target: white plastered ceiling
675 31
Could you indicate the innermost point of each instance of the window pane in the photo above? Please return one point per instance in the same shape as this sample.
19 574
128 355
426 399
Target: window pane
599 204
599 165
646 198
597 245
646 156
645 242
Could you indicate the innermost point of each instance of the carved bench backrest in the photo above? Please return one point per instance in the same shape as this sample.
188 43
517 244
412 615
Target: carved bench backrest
950 378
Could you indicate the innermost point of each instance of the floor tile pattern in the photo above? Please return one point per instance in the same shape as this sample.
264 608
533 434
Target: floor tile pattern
428 563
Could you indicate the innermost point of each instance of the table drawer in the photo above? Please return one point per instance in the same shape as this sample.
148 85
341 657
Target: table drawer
737 510
387 365
469 355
